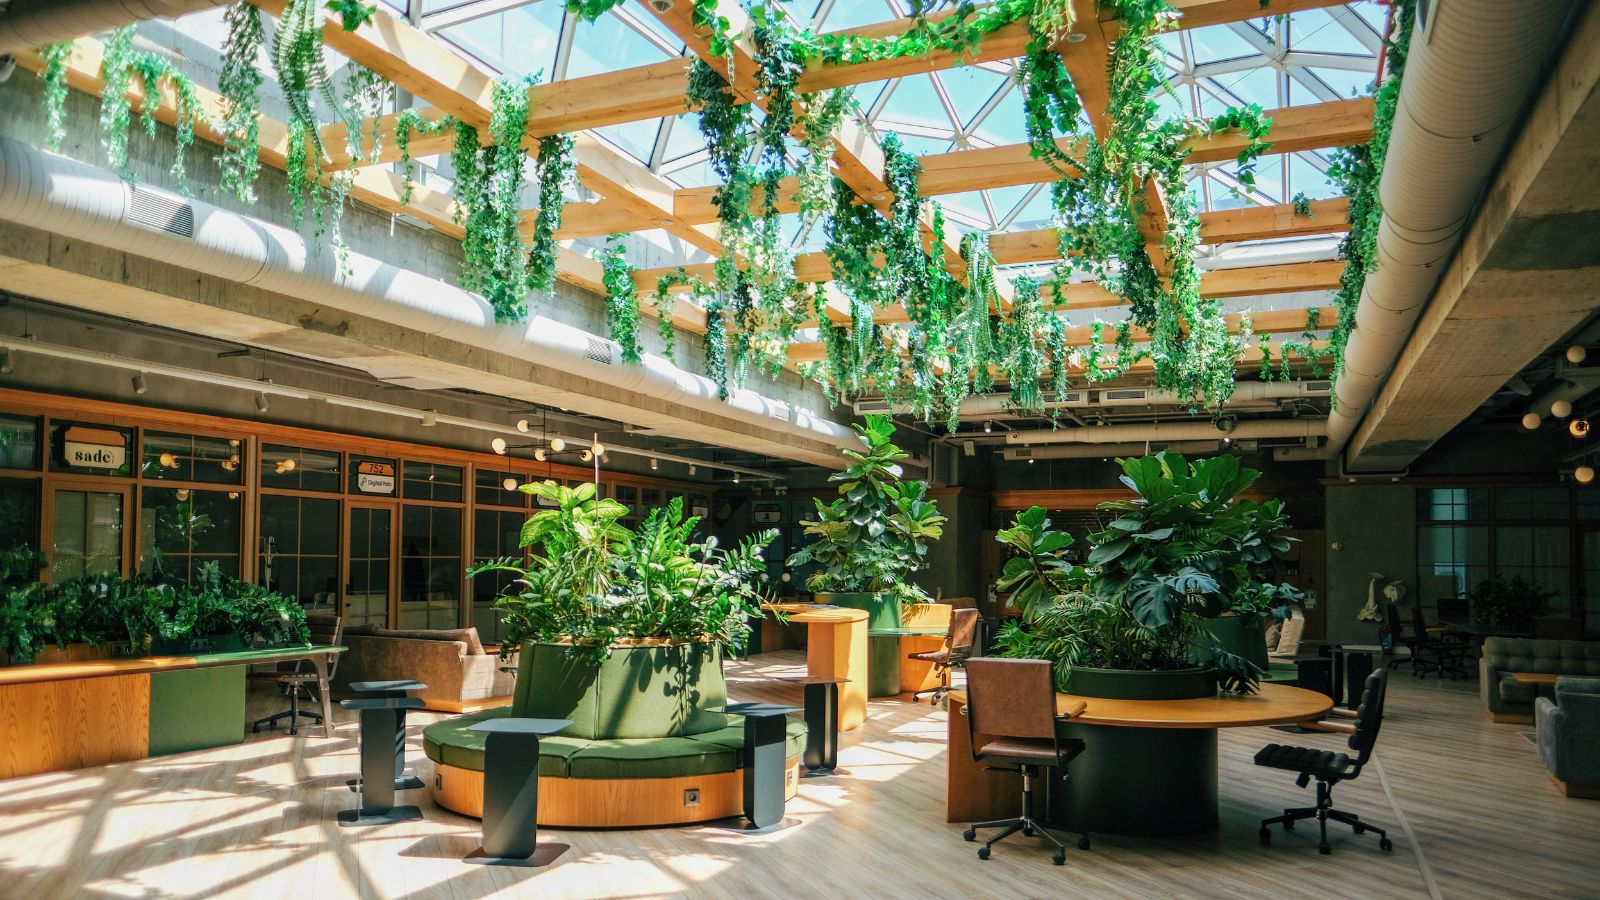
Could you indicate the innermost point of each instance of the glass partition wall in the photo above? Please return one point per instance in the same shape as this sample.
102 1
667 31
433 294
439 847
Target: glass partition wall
380 532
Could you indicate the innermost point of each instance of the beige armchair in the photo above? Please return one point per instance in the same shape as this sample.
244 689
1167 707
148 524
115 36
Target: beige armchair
461 676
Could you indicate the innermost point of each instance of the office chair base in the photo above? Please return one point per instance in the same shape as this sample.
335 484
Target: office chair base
1322 812
293 715
1030 827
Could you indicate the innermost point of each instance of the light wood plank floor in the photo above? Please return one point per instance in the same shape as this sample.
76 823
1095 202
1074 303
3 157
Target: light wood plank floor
1469 807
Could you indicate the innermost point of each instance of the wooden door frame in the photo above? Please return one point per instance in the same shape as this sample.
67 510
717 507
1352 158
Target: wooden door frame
88 484
391 506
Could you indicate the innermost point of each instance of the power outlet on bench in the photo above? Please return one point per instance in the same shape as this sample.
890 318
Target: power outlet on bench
691 797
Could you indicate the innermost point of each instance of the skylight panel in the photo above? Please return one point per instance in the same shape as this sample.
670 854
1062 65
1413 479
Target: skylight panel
637 139
518 41
849 14
1255 86
1005 123
1215 43
684 138
608 44
1313 30
1306 178
915 102
968 207
1345 82
919 143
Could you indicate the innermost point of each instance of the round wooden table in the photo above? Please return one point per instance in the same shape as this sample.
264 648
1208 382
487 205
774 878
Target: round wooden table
1149 767
836 647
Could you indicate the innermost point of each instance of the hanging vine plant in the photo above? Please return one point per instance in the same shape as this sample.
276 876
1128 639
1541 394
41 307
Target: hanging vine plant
667 301
555 167
488 188
240 86
410 123
622 307
56 56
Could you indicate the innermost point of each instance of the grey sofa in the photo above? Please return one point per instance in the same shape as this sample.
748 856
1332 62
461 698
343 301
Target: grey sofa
1569 736
1510 700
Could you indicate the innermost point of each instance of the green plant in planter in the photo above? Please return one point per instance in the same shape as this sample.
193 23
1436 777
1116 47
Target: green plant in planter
1183 552
592 582
876 532
1512 603
22 627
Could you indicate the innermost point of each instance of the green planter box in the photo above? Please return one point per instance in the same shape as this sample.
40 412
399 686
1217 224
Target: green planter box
883 610
639 691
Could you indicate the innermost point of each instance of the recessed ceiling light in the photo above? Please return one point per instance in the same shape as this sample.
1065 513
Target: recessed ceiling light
1076 37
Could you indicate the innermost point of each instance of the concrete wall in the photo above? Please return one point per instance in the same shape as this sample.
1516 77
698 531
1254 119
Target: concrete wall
1374 528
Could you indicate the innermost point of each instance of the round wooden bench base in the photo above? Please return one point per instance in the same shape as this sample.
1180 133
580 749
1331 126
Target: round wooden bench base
614 803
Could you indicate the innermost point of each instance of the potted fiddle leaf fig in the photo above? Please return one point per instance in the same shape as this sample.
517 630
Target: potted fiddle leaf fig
1152 613
869 540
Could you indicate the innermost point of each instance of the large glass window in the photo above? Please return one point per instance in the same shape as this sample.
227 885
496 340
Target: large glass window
299 469
86 536
1541 554
430 567
19 442
496 534
431 481
490 488
367 592
1532 503
1452 504
91 449
182 530
299 549
1451 560
182 457
19 513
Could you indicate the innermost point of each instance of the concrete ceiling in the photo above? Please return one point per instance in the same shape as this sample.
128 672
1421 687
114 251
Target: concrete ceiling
1526 275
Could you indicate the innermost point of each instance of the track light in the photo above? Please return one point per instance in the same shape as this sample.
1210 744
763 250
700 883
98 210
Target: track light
168 461
587 455
598 448
139 386
183 494
654 464
429 418
5 362
509 483
988 427
498 445
1578 428
522 425
693 469
284 466
261 403
557 445
736 478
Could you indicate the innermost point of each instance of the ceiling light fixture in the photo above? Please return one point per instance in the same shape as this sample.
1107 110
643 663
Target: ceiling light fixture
587 455
5 362
1578 428
654 464
541 454
509 483
522 425
284 466
429 418
1561 409
557 444
693 469
1577 353
988 427
1583 474
261 403
1531 421
1076 37
139 385
736 478
498 445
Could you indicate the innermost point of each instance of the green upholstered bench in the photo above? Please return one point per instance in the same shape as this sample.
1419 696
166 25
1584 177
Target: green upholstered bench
453 743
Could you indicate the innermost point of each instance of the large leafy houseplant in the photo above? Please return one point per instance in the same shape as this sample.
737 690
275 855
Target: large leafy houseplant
1183 552
593 583
876 532
1511 603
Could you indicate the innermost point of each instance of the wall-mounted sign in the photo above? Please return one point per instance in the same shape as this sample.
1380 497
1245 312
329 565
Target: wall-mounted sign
374 478
94 448
766 513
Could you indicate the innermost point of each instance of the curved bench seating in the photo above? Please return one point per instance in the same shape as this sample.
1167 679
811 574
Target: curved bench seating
648 744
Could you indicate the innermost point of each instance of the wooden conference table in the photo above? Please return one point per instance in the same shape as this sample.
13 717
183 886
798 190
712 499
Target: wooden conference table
69 715
836 647
1149 766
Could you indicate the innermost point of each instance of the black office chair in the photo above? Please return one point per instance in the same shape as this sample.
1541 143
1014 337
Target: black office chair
325 629
1330 768
1011 717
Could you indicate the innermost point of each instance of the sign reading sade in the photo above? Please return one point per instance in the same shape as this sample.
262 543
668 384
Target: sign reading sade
374 477
94 448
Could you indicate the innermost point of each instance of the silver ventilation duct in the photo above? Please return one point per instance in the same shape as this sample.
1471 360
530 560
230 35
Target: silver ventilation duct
999 405
33 23
1471 68
56 194
1167 432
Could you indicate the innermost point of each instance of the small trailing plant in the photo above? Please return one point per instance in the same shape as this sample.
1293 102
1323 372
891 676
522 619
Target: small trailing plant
876 532
56 57
622 307
240 86
555 166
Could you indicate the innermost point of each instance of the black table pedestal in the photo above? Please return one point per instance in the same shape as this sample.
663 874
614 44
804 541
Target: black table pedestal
821 756
765 732
511 790
376 790
385 690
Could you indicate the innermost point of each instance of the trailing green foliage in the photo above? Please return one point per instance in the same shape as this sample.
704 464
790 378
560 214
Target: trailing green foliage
876 532
667 300
122 64
240 86
489 189
352 13
1357 170
411 122
622 307
55 56
593 583
1183 552
555 167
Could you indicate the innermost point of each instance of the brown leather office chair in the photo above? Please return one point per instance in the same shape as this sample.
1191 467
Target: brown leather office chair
1011 716
325 629
956 651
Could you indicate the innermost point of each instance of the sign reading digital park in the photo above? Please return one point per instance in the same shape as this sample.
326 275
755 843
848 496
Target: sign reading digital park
374 477
94 448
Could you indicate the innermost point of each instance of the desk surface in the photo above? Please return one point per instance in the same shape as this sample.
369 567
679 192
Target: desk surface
98 668
1274 704
809 612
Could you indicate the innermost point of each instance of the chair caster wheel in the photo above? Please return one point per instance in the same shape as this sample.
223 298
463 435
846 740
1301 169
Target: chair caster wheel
1385 844
1060 858
1083 842
1324 849
969 835
1027 832
983 852
1266 837
1289 825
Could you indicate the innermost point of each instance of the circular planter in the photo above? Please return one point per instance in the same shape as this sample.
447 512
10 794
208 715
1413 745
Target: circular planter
1140 781
1142 684
883 610
644 689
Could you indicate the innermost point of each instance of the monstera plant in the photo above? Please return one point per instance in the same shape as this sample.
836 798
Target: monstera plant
869 540
1171 563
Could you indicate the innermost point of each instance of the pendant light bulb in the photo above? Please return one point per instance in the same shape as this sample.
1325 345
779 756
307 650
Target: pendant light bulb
509 483
587 455
557 445
541 454
988 427
1530 421
1577 353
498 445
522 425
598 448
1578 428
1584 474
1561 409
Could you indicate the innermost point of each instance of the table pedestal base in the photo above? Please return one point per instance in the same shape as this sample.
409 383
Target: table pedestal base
883 665
1145 782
